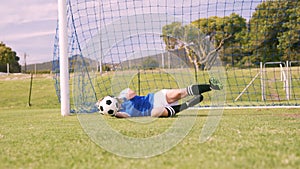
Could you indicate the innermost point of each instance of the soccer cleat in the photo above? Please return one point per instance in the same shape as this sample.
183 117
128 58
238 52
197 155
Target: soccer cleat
195 100
215 84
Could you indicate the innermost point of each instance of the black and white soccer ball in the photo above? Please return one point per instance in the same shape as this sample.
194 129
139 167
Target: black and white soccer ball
108 106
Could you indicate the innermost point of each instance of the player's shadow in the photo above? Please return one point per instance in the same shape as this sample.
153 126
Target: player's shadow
189 115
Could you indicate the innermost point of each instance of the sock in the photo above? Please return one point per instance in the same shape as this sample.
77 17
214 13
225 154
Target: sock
172 110
195 100
198 89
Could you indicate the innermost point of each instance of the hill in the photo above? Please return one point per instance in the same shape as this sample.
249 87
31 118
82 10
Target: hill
38 67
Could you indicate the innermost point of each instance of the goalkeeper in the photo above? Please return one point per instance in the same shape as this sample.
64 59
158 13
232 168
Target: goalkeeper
163 103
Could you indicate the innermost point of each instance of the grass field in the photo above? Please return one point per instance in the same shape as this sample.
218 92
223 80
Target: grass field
39 137
243 86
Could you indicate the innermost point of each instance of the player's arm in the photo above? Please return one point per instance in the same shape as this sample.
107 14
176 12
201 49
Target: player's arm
122 115
126 94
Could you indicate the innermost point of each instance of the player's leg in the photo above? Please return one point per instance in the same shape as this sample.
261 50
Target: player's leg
214 84
173 95
159 112
172 110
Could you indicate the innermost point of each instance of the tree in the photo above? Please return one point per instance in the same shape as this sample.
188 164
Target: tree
274 31
8 56
227 33
272 34
204 38
187 38
174 30
289 40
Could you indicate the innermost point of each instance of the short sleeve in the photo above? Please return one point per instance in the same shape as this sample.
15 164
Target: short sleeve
123 94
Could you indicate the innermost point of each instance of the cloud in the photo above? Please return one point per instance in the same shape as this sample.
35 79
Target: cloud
29 27
21 12
21 35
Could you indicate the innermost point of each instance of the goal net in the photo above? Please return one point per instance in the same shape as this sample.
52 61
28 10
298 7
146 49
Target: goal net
252 46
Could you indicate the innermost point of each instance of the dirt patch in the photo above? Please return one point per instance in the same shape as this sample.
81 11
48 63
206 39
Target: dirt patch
292 115
21 76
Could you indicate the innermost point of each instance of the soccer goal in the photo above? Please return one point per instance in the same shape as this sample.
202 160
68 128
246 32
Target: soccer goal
151 45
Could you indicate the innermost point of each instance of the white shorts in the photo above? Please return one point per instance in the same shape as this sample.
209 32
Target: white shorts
160 99
160 102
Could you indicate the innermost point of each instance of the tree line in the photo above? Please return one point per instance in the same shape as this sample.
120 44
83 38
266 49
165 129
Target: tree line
271 34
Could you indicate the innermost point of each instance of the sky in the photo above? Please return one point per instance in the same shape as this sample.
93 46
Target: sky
29 27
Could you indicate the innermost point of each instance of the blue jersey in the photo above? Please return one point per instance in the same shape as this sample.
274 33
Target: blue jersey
138 105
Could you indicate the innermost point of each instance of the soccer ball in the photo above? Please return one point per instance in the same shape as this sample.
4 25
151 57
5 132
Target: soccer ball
108 105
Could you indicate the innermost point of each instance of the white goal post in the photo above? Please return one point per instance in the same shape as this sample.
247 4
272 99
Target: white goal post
284 78
63 58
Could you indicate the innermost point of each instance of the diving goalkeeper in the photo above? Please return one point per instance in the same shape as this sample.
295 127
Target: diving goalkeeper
163 103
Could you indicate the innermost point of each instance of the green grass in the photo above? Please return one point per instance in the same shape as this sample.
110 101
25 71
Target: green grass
15 92
235 81
39 137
